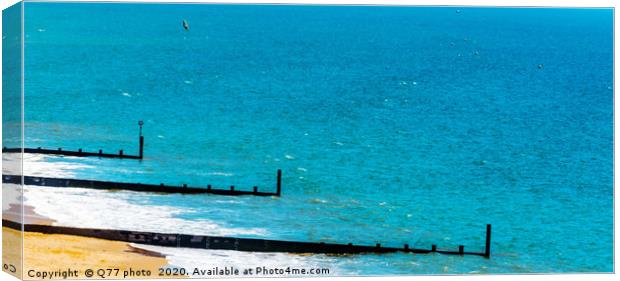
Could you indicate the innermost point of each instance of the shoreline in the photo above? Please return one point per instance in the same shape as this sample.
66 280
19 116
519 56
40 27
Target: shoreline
54 252
48 252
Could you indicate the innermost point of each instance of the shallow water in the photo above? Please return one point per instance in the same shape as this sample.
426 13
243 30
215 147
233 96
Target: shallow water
392 125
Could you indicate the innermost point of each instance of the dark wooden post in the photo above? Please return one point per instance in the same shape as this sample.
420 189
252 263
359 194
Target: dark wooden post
255 190
487 248
141 147
120 152
141 154
378 245
232 188
461 249
433 248
80 150
208 187
406 247
279 183
184 185
100 151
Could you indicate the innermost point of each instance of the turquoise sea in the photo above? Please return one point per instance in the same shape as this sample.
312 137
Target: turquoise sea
392 125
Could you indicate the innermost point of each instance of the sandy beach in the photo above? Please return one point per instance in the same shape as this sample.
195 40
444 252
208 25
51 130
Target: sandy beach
52 252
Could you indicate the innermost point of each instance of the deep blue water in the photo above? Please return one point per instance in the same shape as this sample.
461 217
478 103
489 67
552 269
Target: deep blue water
391 124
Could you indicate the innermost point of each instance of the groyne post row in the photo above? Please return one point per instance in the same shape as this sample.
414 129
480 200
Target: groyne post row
159 188
80 152
238 244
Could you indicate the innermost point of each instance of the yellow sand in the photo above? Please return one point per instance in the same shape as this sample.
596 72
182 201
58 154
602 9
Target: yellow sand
11 251
52 252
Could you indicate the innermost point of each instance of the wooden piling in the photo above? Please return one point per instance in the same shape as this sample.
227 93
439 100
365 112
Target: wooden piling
140 187
279 183
141 155
461 249
487 246
433 248
217 242
80 152
255 189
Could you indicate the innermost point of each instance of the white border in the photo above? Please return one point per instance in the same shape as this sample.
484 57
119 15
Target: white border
512 3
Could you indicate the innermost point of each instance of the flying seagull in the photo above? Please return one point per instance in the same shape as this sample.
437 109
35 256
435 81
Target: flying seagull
185 25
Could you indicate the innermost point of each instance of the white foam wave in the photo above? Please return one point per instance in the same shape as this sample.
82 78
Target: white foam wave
126 210
77 207
88 208
189 259
10 195
38 165
221 174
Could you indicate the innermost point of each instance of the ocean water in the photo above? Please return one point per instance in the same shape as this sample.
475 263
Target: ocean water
392 125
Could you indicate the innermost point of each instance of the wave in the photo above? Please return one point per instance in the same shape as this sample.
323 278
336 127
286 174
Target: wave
38 165
207 259
77 207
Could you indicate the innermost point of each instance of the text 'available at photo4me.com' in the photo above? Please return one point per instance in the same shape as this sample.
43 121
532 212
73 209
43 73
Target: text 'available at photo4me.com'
176 272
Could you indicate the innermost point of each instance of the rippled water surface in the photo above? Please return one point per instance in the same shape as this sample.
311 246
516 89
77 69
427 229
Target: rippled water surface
392 125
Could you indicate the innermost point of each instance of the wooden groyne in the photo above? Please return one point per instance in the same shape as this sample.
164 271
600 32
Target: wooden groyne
140 187
80 153
238 244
